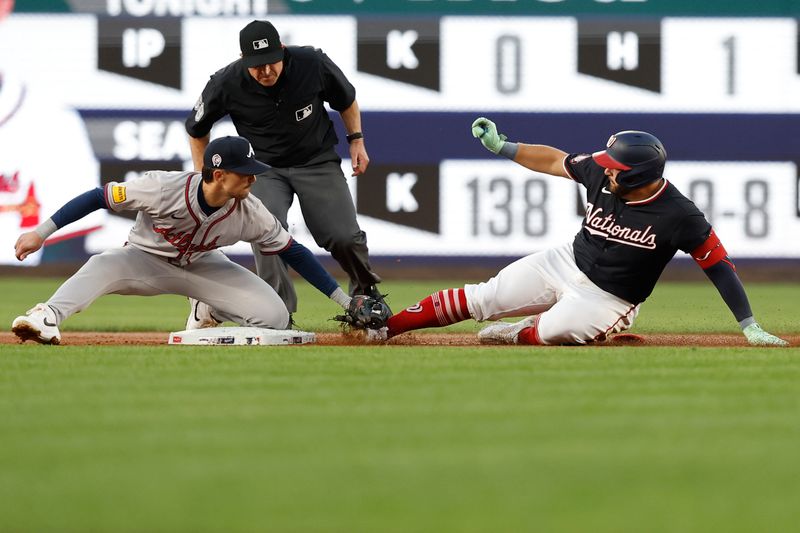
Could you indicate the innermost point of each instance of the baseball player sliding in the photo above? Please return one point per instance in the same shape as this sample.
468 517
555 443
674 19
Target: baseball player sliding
592 287
183 217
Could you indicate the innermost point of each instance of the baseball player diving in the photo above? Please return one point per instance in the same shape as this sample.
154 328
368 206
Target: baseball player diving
592 287
183 217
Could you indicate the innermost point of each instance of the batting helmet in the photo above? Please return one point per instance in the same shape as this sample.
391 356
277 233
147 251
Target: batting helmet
639 155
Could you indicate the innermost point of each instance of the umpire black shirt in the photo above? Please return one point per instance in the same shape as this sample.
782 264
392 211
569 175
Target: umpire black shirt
287 124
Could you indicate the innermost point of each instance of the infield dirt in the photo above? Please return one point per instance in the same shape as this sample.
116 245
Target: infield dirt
91 338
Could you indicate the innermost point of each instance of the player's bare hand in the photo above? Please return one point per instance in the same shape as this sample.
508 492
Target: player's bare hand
758 337
485 130
27 243
359 157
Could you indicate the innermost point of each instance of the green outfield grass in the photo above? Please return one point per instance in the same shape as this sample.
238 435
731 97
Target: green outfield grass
400 438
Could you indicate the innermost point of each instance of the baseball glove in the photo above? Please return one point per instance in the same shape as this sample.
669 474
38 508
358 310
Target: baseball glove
365 312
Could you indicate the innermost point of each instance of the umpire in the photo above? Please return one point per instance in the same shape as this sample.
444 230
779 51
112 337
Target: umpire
275 97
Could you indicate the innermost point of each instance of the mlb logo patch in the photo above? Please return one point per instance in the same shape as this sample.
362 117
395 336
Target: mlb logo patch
118 194
260 44
304 113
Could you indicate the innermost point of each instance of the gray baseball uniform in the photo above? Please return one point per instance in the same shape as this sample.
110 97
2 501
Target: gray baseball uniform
172 249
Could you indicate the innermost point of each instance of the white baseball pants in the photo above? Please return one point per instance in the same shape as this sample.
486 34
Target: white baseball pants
571 309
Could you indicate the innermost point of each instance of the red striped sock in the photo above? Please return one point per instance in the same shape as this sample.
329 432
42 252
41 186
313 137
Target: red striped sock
439 309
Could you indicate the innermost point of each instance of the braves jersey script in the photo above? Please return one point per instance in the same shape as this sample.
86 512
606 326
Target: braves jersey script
287 124
623 247
170 222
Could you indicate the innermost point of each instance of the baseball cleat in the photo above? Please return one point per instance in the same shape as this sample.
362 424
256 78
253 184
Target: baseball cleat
38 324
200 316
504 332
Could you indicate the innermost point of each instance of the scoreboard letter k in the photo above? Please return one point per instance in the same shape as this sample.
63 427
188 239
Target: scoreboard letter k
398 192
398 49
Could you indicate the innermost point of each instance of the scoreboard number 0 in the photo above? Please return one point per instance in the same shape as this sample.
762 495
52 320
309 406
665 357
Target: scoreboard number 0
508 64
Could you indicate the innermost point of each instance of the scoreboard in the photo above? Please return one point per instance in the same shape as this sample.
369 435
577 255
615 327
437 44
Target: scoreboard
722 92
520 64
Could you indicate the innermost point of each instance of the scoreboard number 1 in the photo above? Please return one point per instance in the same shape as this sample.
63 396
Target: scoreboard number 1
730 46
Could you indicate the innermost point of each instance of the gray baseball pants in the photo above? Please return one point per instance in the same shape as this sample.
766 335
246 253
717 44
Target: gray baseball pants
235 293
330 215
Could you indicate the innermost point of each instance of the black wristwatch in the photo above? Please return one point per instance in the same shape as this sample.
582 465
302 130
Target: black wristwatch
353 136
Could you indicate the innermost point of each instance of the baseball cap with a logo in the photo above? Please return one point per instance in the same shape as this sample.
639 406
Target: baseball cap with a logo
234 154
260 44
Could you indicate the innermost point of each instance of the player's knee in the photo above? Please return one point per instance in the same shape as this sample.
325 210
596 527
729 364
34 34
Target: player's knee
577 334
480 300
550 331
273 318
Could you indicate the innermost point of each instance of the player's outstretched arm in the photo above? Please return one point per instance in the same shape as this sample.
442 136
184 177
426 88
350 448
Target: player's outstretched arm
730 287
75 209
304 263
537 157
714 260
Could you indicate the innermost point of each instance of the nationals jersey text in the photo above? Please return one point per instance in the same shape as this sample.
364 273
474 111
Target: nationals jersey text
624 246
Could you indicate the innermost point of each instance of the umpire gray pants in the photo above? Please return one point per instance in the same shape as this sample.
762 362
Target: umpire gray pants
235 293
330 215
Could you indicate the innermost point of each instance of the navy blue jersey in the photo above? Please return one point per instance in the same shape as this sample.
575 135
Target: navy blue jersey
287 124
624 246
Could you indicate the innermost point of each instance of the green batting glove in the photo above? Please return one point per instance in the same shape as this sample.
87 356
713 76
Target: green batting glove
485 130
758 337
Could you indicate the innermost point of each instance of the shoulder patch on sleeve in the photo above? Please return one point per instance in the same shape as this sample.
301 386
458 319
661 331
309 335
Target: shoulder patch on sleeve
578 158
200 109
118 194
